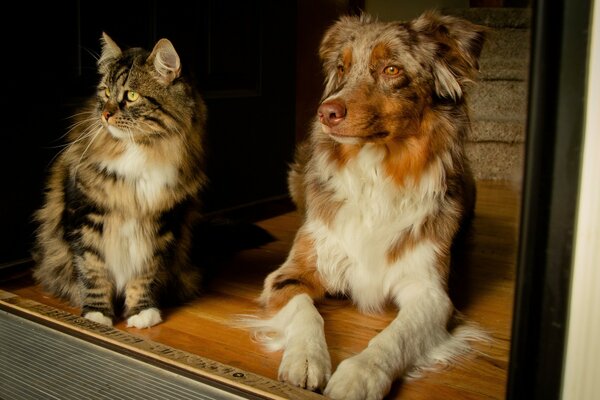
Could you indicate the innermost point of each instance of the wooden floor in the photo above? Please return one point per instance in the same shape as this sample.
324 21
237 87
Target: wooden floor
481 286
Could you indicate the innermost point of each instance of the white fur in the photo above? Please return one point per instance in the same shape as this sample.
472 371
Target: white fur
352 257
127 247
127 250
98 317
150 178
352 251
298 329
116 132
144 319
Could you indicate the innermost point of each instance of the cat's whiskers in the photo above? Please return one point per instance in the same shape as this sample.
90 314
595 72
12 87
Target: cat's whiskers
130 133
179 132
86 133
94 55
77 124
129 127
90 112
145 126
94 136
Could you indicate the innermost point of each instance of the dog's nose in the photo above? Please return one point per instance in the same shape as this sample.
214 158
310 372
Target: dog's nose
332 112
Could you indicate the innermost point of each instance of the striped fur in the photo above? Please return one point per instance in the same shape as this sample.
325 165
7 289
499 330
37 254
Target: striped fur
384 185
122 196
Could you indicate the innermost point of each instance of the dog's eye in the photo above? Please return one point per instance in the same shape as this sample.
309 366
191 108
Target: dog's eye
340 69
391 70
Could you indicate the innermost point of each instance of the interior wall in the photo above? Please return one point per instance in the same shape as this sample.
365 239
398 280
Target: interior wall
313 19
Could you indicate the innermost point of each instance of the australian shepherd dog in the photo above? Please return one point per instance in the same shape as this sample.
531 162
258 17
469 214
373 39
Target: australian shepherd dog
384 186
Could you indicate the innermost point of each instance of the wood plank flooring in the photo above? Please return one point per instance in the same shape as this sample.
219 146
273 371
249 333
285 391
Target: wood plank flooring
482 287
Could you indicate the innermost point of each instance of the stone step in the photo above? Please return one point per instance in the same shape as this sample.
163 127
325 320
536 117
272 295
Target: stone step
494 17
497 131
495 160
498 100
505 55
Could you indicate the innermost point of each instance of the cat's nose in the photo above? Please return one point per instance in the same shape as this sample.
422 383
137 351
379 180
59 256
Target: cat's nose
109 110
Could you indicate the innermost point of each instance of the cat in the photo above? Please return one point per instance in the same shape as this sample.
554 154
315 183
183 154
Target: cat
123 196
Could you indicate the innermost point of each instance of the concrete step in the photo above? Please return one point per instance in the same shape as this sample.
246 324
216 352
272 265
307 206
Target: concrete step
497 131
494 17
498 100
496 160
505 55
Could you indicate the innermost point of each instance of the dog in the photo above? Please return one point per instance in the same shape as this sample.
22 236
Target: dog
384 186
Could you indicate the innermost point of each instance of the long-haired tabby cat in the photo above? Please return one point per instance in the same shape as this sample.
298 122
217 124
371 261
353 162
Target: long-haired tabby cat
122 197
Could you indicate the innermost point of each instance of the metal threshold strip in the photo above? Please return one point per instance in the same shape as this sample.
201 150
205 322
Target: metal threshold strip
37 362
46 353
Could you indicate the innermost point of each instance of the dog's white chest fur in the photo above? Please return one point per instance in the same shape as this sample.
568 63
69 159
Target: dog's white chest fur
353 249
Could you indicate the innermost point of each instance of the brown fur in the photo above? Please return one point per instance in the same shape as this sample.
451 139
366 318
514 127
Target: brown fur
383 168
300 275
126 189
417 126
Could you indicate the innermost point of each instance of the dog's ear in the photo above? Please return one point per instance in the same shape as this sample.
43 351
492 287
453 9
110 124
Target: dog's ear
458 44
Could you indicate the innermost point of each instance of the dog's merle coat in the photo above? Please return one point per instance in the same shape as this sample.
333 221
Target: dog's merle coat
384 185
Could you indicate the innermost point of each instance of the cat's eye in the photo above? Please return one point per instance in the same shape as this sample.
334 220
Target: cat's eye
107 92
132 96
391 70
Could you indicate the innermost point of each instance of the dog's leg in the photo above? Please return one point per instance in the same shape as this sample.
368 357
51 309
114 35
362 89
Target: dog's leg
419 327
289 291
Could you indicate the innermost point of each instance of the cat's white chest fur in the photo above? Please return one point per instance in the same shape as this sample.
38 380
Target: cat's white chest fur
150 179
127 250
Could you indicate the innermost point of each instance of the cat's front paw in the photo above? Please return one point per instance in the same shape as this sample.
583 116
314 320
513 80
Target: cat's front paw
358 379
98 317
144 319
306 366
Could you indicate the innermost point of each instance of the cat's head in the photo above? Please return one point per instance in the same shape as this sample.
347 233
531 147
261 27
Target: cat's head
141 94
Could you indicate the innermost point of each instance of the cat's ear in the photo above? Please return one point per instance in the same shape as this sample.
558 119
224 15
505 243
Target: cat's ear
165 60
110 52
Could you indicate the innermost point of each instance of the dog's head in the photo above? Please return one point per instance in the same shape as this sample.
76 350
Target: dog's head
381 76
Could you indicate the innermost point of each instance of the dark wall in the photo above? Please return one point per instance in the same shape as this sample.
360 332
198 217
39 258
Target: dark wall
241 52
39 75
313 18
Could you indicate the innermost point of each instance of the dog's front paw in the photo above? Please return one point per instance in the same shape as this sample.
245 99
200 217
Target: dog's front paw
307 366
144 319
358 379
98 317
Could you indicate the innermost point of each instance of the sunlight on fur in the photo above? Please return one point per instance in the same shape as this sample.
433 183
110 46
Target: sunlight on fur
384 186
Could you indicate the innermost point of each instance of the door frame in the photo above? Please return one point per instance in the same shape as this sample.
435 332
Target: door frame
557 87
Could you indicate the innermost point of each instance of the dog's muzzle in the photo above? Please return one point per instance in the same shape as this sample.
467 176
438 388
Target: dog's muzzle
332 112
